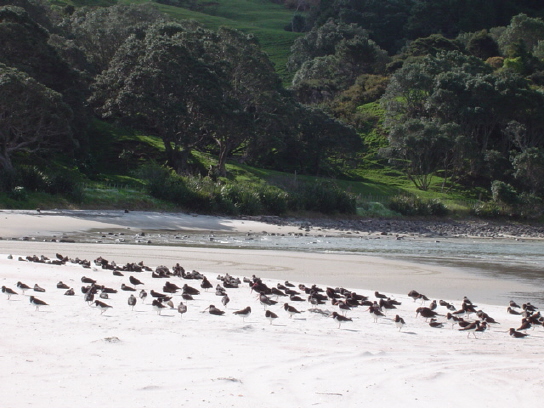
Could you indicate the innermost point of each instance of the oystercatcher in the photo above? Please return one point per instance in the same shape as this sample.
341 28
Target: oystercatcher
23 287
271 316
215 311
436 324
62 285
205 284
127 288
376 313
37 288
245 312
471 328
517 334
135 281
8 291
399 322
426 312
37 302
102 306
69 292
84 279
340 319
266 301
290 310
158 306
225 300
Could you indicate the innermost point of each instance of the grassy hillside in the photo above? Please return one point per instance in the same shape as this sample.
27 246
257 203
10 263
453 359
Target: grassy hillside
262 18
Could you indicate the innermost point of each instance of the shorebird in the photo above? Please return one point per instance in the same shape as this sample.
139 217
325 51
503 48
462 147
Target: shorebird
436 324
414 294
215 311
471 328
84 279
62 285
340 319
245 312
37 288
190 290
375 312
514 304
37 302
127 288
23 287
399 322
290 310
8 291
102 306
182 309
517 334
205 284
225 300
266 301
426 312
512 311
157 306
135 281
132 301
69 292
271 316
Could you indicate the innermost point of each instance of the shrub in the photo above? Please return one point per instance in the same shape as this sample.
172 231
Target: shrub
504 193
415 206
33 179
487 210
18 193
9 179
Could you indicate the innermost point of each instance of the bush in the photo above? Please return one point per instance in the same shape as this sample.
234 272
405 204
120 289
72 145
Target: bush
487 210
326 198
9 179
504 193
415 206
18 193
33 179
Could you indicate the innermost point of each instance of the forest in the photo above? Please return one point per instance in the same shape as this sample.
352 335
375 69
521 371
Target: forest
446 94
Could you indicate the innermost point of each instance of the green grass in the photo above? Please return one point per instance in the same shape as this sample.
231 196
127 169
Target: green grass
261 18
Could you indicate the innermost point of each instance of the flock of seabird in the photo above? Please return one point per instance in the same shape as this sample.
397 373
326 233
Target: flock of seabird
313 298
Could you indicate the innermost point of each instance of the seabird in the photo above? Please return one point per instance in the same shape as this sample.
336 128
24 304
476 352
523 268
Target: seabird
225 300
135 281
375 312
290 310
37 288
471 328
62 285
205 284
127 288
245 312
8 291
215 311
84 279
512 311
69 292
517 334
37 302
132 301
102 306
157 306
399 322
271 316
434 323
340 319
266 301
23 287
190 290
182 309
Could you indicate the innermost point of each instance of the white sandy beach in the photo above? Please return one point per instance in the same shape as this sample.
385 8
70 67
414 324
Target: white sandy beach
68 353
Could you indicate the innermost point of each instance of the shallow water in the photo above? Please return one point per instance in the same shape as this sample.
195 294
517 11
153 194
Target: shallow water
507 259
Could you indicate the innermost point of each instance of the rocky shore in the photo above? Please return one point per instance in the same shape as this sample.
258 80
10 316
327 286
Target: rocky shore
423 228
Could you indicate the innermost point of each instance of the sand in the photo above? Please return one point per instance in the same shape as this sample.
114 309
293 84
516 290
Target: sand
68 353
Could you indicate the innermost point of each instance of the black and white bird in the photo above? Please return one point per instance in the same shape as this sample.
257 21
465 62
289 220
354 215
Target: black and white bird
376 313
426 312
127 288
132 301
62 285
436 324
70 292
182 309
158 306
271 316
471 328
9 292
225 300
266 301
290 310
102 306
37 302
340 319
205 284
399 322
245 312
23 287
84 279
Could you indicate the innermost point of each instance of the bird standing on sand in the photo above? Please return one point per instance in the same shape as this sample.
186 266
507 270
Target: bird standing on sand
182 309
158 306
290 310
426 312
271 316
340 319
132 301
37 302
23 287
245 312
8 291
102 306
399 322
225 300
266 301
375 312
471 328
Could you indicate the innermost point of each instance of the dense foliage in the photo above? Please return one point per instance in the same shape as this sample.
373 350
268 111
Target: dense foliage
448 92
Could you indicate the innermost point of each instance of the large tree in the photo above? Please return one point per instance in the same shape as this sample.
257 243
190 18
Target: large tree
33 118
